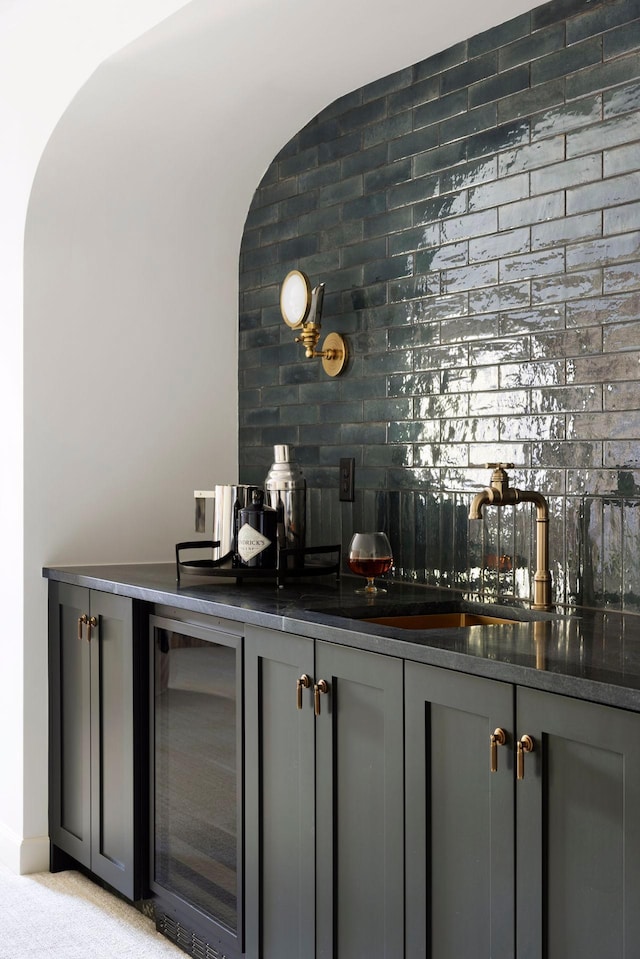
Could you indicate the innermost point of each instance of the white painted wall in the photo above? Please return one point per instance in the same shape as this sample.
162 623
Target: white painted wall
130 308
47 51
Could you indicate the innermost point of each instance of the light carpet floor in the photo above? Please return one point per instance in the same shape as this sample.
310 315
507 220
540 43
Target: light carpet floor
66 916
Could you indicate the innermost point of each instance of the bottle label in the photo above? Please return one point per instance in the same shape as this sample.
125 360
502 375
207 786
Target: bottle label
251 542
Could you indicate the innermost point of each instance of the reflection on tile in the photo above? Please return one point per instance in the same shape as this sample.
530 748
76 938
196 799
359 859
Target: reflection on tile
513 375
566 399
531 428
485 429
498 352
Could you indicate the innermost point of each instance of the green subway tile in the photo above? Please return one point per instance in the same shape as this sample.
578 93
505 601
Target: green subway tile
411 143
601 76
442 257
387 176
556 11
473 122
623 40
540 153
445 107
388 223
601 18
502 137
502 85
605 193
498 37
388 268
440 158
388 85
529 102
415 239
414 95
417 189
362 115
532 46
364 206
465 227
388 131
361 252
469 72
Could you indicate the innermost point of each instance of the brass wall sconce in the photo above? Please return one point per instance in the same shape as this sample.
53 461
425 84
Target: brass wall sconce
301 309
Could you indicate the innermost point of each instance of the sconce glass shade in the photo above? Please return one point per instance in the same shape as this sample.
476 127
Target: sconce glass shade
295 298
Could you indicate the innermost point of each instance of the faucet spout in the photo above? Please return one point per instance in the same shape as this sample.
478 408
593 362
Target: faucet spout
484 498
499 493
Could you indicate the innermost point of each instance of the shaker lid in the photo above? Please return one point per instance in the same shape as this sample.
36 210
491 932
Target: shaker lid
281 454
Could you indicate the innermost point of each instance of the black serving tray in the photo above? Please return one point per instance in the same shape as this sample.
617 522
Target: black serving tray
292 563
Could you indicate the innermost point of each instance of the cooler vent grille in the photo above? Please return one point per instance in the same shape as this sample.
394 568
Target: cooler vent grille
186 939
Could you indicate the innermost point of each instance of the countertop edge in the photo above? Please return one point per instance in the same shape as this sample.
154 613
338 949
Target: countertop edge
375 639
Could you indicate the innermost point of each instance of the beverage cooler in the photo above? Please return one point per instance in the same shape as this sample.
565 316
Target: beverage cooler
196 783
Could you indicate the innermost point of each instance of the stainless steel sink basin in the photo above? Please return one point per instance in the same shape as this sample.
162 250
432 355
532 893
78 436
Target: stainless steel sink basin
439 620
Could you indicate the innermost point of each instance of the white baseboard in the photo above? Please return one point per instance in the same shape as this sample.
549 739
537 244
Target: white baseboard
21 855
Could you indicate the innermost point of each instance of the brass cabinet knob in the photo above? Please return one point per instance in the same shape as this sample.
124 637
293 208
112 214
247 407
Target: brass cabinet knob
321 687
82 622
526 744
304 682
497 738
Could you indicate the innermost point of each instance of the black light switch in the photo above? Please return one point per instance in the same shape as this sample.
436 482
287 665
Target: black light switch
347 478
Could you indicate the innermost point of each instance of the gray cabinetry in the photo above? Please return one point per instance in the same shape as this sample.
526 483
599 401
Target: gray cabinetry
546 865
460 817
578 830
95 791
324 806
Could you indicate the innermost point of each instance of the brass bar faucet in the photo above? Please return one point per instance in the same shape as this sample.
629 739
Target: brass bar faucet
499 493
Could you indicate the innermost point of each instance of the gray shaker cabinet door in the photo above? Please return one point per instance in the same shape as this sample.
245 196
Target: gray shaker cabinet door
459 816
112 765
359 806
578 814
91 732
279 796
69 723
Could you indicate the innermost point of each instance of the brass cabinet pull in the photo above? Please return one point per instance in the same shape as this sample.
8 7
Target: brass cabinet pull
525 745
82 621
91 624
497 738
322 686
303 683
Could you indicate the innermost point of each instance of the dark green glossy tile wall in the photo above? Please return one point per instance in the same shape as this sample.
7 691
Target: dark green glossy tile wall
475 219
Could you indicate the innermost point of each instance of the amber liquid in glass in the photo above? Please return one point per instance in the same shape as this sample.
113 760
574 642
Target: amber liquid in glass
370 567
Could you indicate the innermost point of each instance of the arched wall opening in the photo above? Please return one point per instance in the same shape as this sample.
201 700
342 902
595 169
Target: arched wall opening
131 279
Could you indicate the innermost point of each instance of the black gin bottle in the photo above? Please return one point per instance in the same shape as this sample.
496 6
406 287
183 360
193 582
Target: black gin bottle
257 534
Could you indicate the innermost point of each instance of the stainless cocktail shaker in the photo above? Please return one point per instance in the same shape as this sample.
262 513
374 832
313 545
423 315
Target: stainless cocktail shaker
286 491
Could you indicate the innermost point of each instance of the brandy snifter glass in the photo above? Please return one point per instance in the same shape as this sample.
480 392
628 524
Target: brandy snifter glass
370 556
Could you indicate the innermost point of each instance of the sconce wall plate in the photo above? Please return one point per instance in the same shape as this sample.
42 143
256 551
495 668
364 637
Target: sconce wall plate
335 357
301 308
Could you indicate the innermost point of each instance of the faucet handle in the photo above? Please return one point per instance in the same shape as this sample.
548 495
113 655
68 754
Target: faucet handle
499 476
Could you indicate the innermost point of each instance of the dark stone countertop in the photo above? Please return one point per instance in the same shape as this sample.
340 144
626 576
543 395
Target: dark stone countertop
593 655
